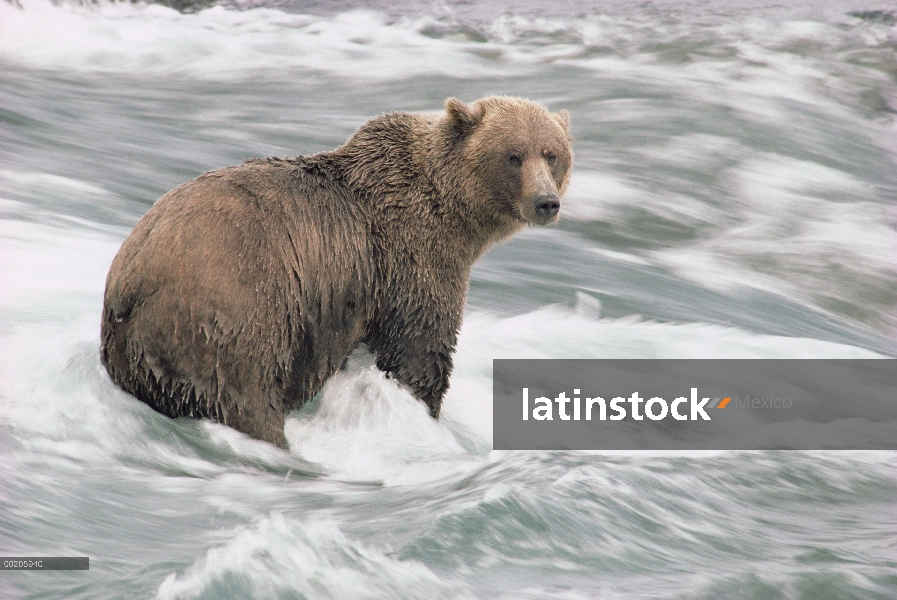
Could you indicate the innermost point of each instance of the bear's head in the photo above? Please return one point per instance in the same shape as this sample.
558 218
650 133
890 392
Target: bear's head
518 153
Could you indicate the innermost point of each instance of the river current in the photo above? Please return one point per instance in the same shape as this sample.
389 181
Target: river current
734 195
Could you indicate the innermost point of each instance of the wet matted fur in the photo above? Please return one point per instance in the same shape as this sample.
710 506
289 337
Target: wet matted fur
241 292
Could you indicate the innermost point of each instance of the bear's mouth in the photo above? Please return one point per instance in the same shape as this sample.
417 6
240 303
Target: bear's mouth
538 219
508 204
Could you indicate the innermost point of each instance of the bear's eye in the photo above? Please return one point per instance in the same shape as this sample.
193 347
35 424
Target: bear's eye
550 157
514 159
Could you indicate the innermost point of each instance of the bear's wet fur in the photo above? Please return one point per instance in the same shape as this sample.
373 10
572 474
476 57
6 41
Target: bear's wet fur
241 292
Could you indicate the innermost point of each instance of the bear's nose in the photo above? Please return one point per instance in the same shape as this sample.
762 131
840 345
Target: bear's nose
547 205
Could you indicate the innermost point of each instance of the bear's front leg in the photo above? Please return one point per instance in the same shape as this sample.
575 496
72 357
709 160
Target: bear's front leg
420 357
426 373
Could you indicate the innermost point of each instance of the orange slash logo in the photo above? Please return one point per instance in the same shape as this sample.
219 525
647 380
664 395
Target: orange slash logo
720 402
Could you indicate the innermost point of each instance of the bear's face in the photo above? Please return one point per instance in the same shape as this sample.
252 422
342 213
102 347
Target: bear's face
520 154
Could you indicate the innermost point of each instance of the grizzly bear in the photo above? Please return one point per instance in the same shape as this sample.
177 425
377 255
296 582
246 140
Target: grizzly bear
241 292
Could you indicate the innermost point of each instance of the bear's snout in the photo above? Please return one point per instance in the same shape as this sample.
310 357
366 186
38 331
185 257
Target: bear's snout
540 202
547 207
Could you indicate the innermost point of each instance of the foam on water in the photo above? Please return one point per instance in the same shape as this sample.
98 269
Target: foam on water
754 59
776 186
798 227
365 427
221 44
786 181
278 556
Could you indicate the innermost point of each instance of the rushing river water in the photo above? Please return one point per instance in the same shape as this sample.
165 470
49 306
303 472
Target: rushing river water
734 195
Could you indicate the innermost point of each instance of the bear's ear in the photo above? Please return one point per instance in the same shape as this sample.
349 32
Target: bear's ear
563 119
463 117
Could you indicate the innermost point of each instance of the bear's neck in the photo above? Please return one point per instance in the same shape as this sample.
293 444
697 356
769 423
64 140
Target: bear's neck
415 188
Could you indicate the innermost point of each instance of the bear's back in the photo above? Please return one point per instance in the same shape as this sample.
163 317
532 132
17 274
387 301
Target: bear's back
256 256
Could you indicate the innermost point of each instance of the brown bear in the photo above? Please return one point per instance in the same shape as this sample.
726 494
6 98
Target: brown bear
241 292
